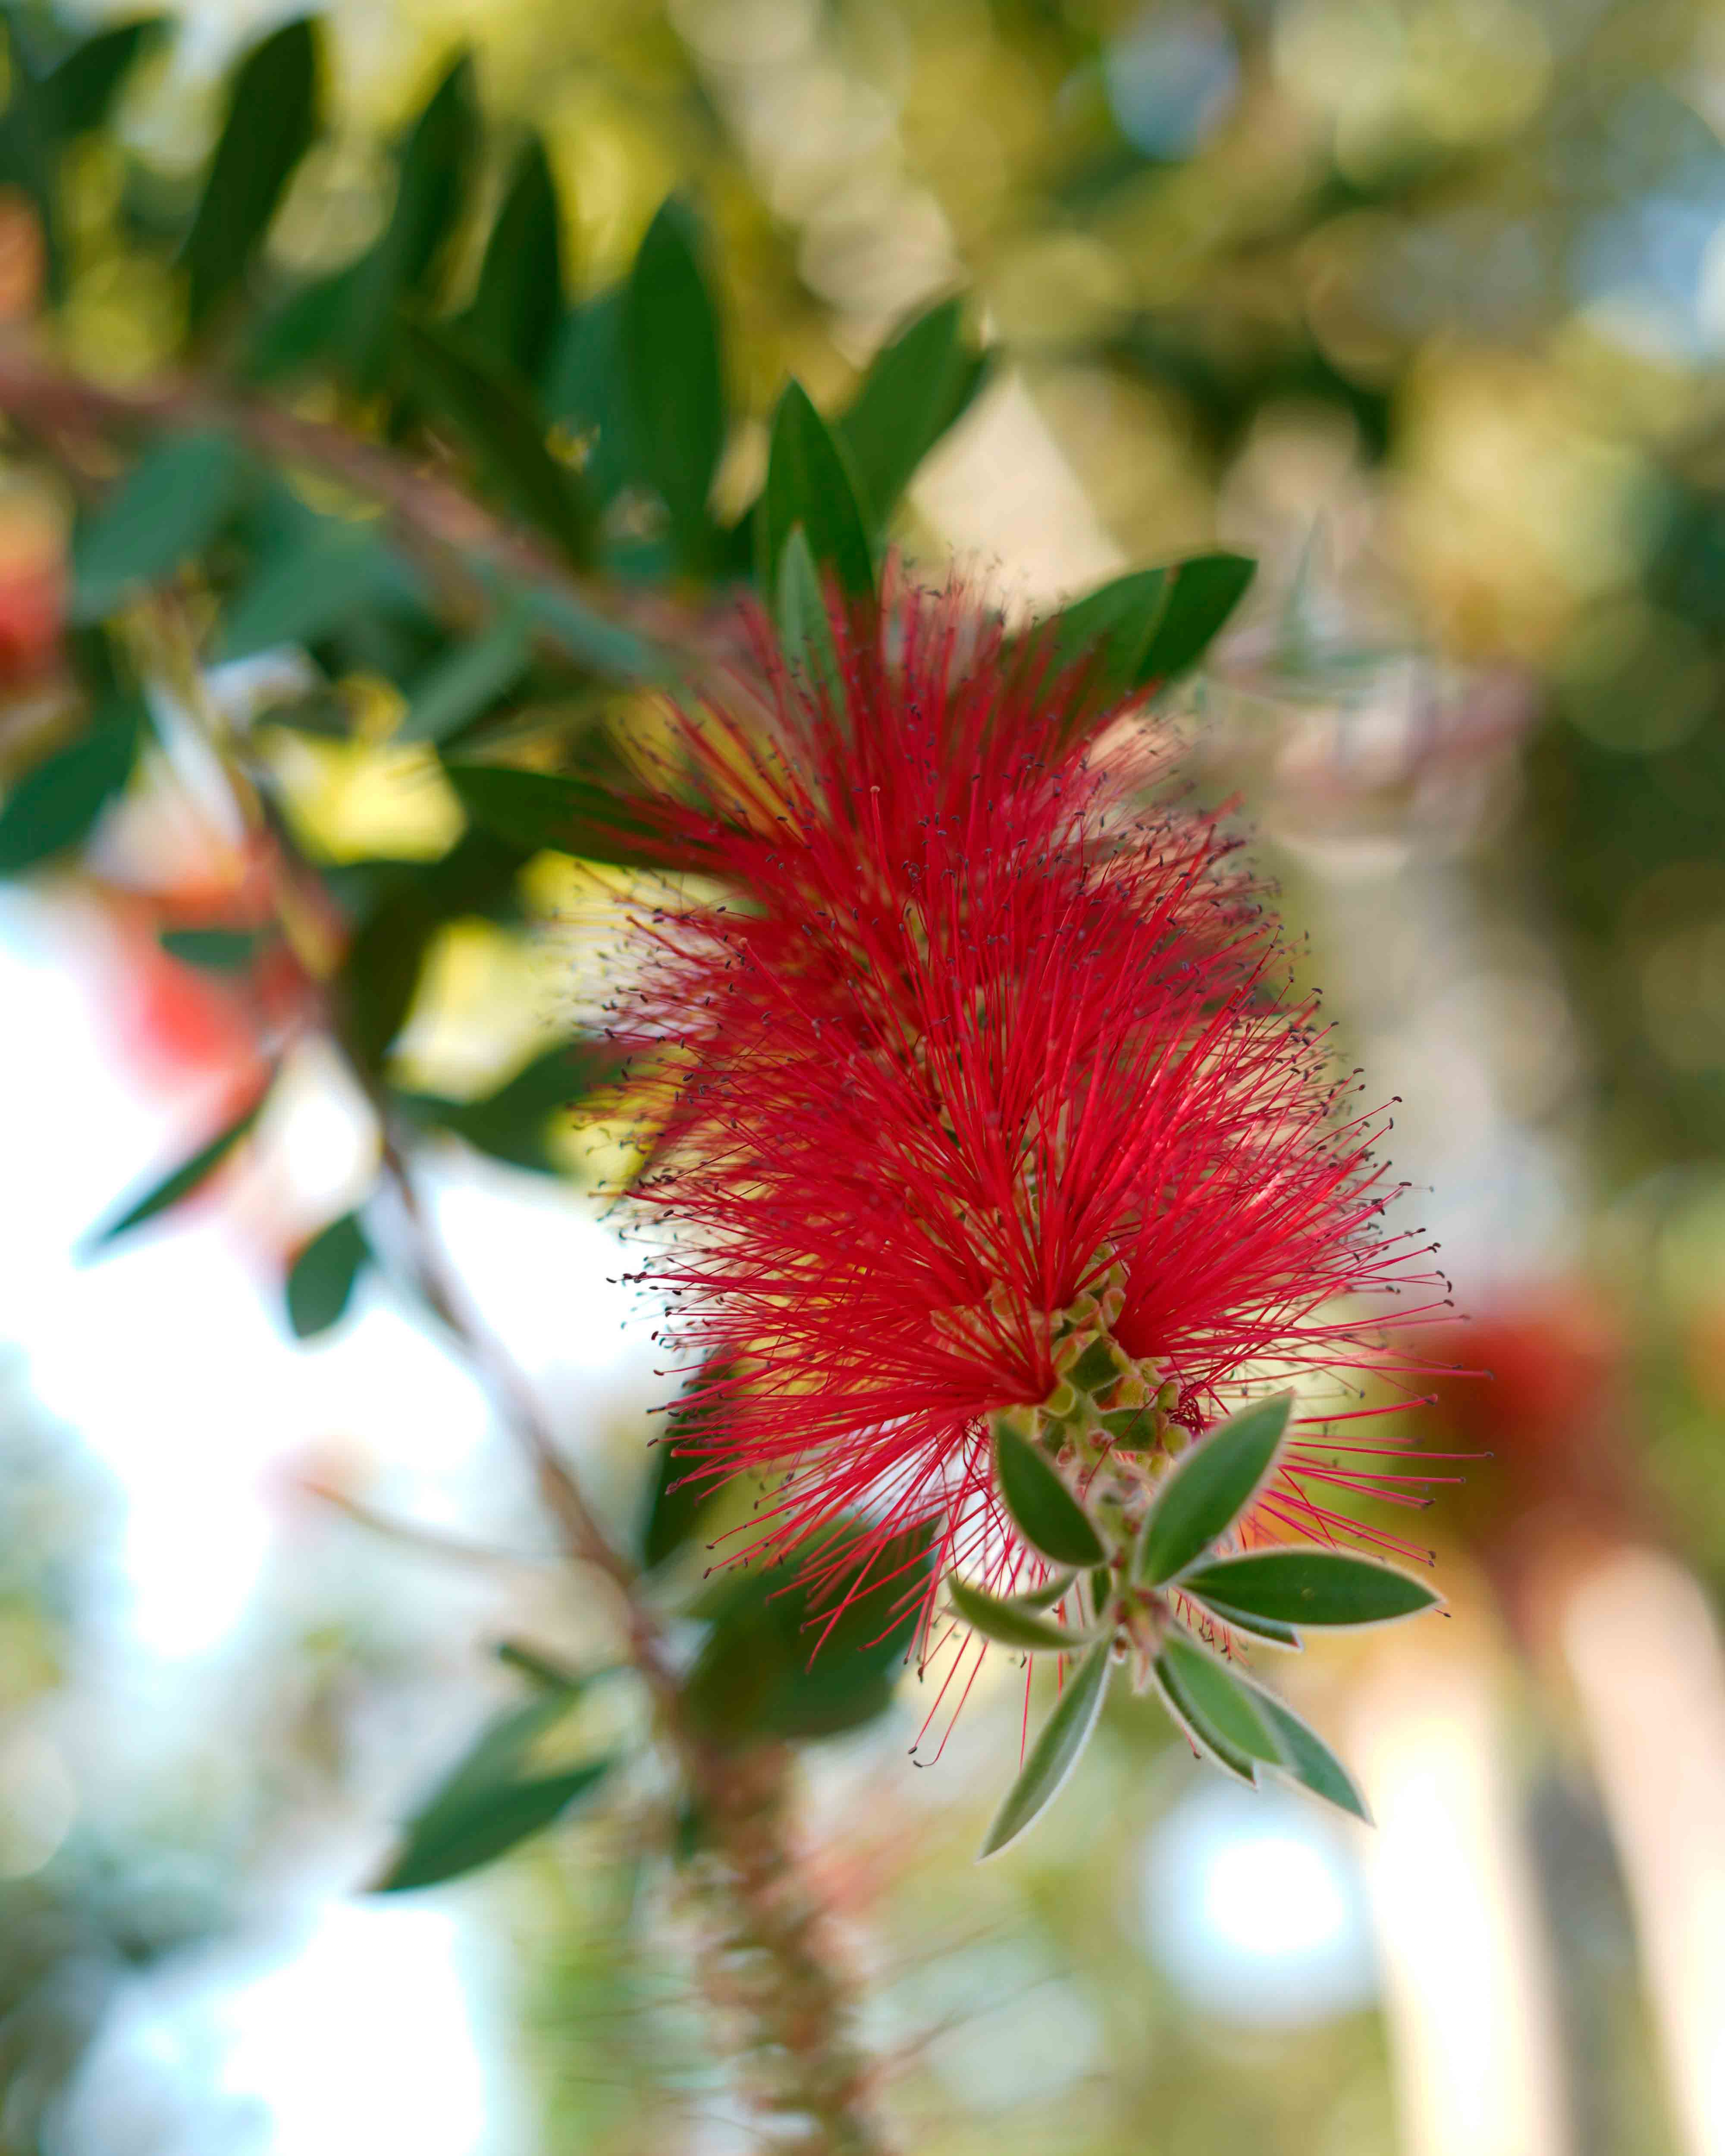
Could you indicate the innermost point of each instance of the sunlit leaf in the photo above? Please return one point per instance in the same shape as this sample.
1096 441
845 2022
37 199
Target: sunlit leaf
1044 1510
1205 1491
1310 1586
1058 1749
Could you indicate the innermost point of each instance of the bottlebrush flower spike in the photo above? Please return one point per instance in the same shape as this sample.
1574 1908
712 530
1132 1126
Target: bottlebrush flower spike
998 1140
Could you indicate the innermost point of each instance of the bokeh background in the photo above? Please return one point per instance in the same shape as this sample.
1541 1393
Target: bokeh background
1421 302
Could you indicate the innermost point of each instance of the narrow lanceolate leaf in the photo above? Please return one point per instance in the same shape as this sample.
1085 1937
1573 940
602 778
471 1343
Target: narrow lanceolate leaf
216 950
466 683
1306 1759
519 299
320 1280
82 87
1057 1750
808 482
1189 1717
1009 1624
1269 1629
916 388
165 513
272 116
1212 1698
1044 1510
1310 1586
538 809
184 1180
56 805
1110 629
1209 1488
464 384
1203 592
673 369
804 631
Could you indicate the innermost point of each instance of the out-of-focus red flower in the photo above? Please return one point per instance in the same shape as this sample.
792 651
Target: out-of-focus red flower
984 1042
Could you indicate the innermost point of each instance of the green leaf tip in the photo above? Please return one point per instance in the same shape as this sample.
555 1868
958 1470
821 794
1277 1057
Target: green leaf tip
1056 1751
1208 1489
1043 1509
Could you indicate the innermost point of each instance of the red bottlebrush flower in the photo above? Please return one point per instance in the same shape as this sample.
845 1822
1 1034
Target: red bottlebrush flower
990 1088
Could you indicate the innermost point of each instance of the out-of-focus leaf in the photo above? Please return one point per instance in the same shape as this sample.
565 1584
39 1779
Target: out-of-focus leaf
1208 1489
165 513
1059 1747
56 805
1009 1626
463 384
320 1280
585 388
918 386
216 950
83 86
485 1805
509 1124
674 372
185 1180
30 145
536 809
1268 1629
1043 1509
1112 629
302 591
1203 592
272 117
435 163
808 482
519 299
1211 1698
786 1661
589 638
303 330
1310 1586
469 680
804 631
675 1497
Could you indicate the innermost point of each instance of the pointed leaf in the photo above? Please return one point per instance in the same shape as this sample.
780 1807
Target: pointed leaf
917 387
272 116
534 809
165 513
463 384
674 379
82 87
1306 1759
1189 1718
1010 1625
1111 628
469 680
1203 592
1057 1750
1044 1510
1206 1490
1212 1698
1269 1629
305 590
182 1183
56 805
320 1282
492 1822
1052 1590
519 299
509 1124
808 483
805 632
1310 1587
216 950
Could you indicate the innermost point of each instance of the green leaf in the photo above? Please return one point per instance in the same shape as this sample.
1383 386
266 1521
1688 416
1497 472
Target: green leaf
509 1124
80 89
519 299
804 629
1269 1628
1112 629
1056 1751
917 387
30 147
1009 1624
165 513
304 330
675 375
1310 1586
321 1280
536 809
1044 1510
217 950
586 388
1053 1589
1214 1702
56 805
484 1808
303 591
1207 1490
469 680
272 117
463 384
1203 592
808 483
185 1180
435 163
676 1499
589 638
1189 1718
1306 1759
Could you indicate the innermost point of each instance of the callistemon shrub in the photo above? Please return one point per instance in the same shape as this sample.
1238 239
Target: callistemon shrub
1004 1190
